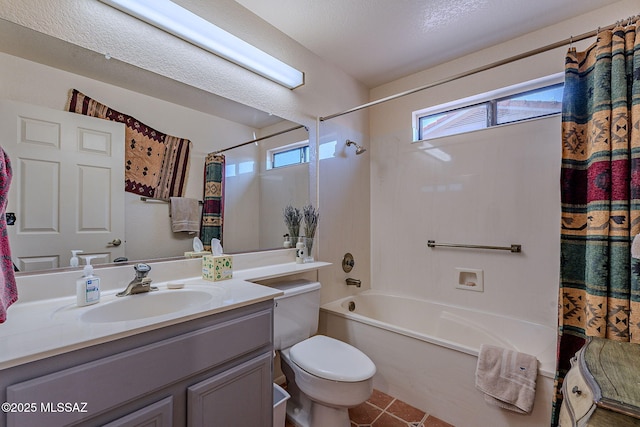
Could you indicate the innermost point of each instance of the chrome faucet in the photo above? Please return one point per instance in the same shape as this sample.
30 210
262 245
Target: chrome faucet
141 283
353 282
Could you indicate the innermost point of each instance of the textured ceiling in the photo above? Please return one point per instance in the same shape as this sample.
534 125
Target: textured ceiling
378 41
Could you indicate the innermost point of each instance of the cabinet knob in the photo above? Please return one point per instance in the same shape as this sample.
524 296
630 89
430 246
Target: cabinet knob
576 390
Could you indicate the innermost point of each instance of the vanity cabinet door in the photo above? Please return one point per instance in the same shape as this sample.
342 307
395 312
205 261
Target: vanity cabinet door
240 396
159 414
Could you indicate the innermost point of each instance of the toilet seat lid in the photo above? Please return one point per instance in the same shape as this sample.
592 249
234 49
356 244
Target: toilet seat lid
331 359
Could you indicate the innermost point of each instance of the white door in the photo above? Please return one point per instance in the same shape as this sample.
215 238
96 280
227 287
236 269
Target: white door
68 185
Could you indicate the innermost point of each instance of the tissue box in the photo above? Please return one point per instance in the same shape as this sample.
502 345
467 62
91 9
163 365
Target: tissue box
217 267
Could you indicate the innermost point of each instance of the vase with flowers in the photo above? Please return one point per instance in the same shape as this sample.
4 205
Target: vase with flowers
292 220
311 216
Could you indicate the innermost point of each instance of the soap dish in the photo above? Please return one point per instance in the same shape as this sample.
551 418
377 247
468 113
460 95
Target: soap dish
175 285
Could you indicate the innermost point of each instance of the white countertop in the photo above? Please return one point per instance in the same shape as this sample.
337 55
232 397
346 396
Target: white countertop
47 327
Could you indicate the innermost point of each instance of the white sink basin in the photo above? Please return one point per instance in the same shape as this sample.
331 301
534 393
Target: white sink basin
151 304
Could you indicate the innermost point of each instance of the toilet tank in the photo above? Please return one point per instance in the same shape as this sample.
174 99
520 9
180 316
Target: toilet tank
295 313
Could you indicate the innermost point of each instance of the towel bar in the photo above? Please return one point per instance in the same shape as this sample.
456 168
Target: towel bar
154 199
512 248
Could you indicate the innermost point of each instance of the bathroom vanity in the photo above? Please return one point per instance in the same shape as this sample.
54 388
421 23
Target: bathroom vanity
602 388
214 368
206 364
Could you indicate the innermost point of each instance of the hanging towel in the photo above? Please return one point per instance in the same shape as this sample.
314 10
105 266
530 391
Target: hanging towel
185 215
507 377
213 209
8 289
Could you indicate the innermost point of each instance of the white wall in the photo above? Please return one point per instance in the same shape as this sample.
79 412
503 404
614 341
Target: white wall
345 204
499 187
279 187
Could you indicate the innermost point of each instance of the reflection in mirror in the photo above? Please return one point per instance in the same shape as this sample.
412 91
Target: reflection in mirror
250 177
255 193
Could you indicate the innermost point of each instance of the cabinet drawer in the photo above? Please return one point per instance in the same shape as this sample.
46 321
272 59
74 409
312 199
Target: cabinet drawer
577 395
111 381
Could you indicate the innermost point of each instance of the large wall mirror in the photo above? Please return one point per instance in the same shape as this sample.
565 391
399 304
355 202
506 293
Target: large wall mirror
38 70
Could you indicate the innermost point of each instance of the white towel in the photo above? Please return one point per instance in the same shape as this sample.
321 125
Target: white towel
635 247
507 377
185 215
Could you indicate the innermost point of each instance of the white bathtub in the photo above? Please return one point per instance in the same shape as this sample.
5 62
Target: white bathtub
426 354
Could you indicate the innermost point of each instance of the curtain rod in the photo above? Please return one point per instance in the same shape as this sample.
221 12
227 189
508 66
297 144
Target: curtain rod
479 69
261 138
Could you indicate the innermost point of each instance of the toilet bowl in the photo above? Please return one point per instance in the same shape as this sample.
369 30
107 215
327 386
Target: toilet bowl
324 376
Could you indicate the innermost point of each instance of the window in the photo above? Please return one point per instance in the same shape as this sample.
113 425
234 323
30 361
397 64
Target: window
528 105
290 155
454 121
497 108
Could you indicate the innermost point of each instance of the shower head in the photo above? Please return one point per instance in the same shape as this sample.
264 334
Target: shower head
359 148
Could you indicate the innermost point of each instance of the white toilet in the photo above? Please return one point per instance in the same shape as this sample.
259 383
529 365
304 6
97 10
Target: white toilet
325 376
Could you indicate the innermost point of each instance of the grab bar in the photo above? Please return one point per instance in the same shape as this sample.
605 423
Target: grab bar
512 248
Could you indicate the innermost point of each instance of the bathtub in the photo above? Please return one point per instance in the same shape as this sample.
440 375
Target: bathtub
426 354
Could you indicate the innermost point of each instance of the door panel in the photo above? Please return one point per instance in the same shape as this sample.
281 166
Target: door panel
68 185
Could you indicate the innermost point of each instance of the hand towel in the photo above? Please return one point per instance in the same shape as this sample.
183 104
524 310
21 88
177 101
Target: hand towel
507 377
8 289
185 215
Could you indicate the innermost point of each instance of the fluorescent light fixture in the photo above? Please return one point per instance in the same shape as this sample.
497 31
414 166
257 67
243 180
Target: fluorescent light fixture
182 23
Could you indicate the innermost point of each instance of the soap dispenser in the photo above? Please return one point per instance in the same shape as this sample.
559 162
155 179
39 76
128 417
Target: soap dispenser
73 262
88 286
301 250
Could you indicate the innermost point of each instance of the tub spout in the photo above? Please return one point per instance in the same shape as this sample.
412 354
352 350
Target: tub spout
353 282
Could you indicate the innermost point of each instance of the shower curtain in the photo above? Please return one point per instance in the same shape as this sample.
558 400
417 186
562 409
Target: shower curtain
600 192
213 199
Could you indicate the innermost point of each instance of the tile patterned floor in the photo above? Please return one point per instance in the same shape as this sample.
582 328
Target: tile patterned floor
382 410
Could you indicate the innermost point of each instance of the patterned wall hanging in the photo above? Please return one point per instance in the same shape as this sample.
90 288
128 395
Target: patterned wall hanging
156 164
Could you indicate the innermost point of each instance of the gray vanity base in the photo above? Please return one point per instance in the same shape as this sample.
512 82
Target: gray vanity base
212 371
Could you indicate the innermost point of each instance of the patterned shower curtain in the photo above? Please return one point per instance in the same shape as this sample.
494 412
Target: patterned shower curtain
213 199
600 192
